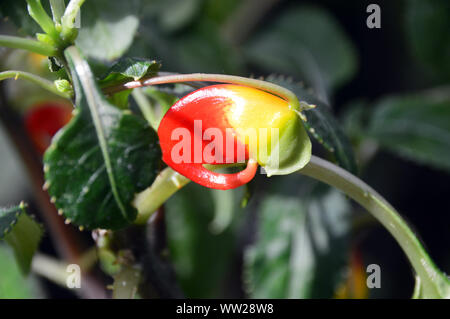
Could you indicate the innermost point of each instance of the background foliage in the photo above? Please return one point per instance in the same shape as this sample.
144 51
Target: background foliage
383 111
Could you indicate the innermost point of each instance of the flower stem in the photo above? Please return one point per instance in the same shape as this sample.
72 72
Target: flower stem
222 78
44 83
164 186
27 44
146 108
434 283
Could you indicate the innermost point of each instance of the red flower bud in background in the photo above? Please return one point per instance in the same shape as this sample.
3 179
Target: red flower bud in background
226 124
44 119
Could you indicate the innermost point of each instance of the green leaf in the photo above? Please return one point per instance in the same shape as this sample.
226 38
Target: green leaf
307 42
129 69
107 28
22 233
201 248
302 243
13 284
8 218
322 125
416 127
428 30
101 159
172 15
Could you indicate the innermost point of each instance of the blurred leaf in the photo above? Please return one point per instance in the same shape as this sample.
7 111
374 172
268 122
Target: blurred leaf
129 69
220 11
172 15
13 285
322 125
428 28
203 49
307 42
107 28
18 13
126 282
302 244
22 233
201 257
416 127
103 153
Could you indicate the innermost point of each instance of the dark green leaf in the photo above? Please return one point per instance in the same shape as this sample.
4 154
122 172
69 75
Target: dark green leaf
8 218
428 28
107 28
129 69
101 159
416 127
22 233
302 242
322 125
201 254
306 42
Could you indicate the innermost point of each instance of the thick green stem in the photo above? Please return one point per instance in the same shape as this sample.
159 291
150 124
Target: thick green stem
27 44
222 78
164 186
434 283
44 83
50 268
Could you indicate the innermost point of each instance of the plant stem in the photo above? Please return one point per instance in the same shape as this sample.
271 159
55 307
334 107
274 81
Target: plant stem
223 78
164 186
44 83
434 283
68 32
57 7
50 268
38 13
27 44
64 238
146 108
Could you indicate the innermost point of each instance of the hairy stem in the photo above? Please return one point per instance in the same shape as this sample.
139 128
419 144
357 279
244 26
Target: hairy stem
27 44
44 83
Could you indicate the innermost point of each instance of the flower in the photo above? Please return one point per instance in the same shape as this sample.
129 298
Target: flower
44 119
229 124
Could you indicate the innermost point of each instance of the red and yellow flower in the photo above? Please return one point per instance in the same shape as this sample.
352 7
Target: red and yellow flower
228 124
44 119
